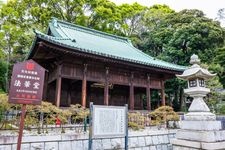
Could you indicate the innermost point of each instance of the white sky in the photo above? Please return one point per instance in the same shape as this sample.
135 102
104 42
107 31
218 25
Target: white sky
209 7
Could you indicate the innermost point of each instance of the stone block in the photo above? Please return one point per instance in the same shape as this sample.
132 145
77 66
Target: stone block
35 146
5 147
8 139
14 146
145 148
190 145
25 146
51 145
133 142
196 116
166 139
116 143
153 148
201 125
185 143
77 145
155 140
202 136
97 145
214 146
159 147
65 145
106 143
161 139
85 144
164 147
141 141
148 140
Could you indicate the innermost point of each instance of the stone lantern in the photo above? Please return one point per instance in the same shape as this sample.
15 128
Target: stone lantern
196 77
199 129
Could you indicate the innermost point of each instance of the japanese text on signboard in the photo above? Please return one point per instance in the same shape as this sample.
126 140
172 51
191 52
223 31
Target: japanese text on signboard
27 83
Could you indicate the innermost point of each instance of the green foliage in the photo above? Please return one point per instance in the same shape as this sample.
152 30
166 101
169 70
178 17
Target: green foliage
4 103
157 30
182 34
136 120
162 115
221 109
3 67
220 70
50 111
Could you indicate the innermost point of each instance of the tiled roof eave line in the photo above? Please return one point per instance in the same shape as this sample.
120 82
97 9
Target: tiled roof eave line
109 56
150 57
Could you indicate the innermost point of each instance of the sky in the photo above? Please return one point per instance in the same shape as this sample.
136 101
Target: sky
209 7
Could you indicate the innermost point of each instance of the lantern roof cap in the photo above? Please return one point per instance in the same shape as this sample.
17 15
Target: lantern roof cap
195 71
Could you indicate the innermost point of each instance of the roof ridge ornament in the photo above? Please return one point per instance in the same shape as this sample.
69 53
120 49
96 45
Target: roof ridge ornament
54 22
194 59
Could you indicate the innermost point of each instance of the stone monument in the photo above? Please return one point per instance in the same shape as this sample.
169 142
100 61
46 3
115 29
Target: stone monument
199 129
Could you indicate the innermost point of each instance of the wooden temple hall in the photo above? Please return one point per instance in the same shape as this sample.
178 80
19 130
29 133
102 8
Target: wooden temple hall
86 65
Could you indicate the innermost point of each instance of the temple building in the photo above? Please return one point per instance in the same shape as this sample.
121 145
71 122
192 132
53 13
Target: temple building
85 65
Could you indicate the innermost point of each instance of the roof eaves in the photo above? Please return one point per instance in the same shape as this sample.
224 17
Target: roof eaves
53 40
31 48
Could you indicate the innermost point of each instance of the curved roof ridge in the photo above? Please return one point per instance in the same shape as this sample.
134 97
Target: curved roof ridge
89 30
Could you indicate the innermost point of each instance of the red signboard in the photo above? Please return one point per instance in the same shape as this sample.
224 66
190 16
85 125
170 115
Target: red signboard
27 83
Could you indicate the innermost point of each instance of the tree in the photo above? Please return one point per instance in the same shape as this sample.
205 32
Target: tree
155 36
220 68
131 17
184 33
221 15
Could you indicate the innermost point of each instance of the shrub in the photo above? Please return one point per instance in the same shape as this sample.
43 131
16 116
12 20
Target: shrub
136 120
163 114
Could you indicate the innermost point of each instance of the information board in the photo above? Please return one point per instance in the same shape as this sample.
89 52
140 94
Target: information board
108 121
27 83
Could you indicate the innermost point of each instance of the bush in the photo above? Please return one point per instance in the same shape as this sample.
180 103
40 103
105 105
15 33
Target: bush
221 109
136 120
162 115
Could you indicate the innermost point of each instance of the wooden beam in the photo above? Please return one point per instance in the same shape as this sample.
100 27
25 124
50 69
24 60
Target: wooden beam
84 87
58 86
163 93
106 88
131 92
148 94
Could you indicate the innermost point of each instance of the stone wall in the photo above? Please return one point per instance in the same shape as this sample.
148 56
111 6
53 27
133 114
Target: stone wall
146 142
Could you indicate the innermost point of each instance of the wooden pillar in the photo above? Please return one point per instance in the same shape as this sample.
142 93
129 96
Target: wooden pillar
84 87
163 93
106 89
58 86
45 95
69 95
148 94
131 92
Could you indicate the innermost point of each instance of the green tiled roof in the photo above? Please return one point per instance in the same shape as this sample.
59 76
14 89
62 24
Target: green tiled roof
96 42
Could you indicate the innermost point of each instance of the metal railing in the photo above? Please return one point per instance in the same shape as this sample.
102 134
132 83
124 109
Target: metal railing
11 120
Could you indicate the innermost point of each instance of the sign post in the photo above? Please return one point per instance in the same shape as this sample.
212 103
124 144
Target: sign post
21 127
26 87
108 121
126 136
90 127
